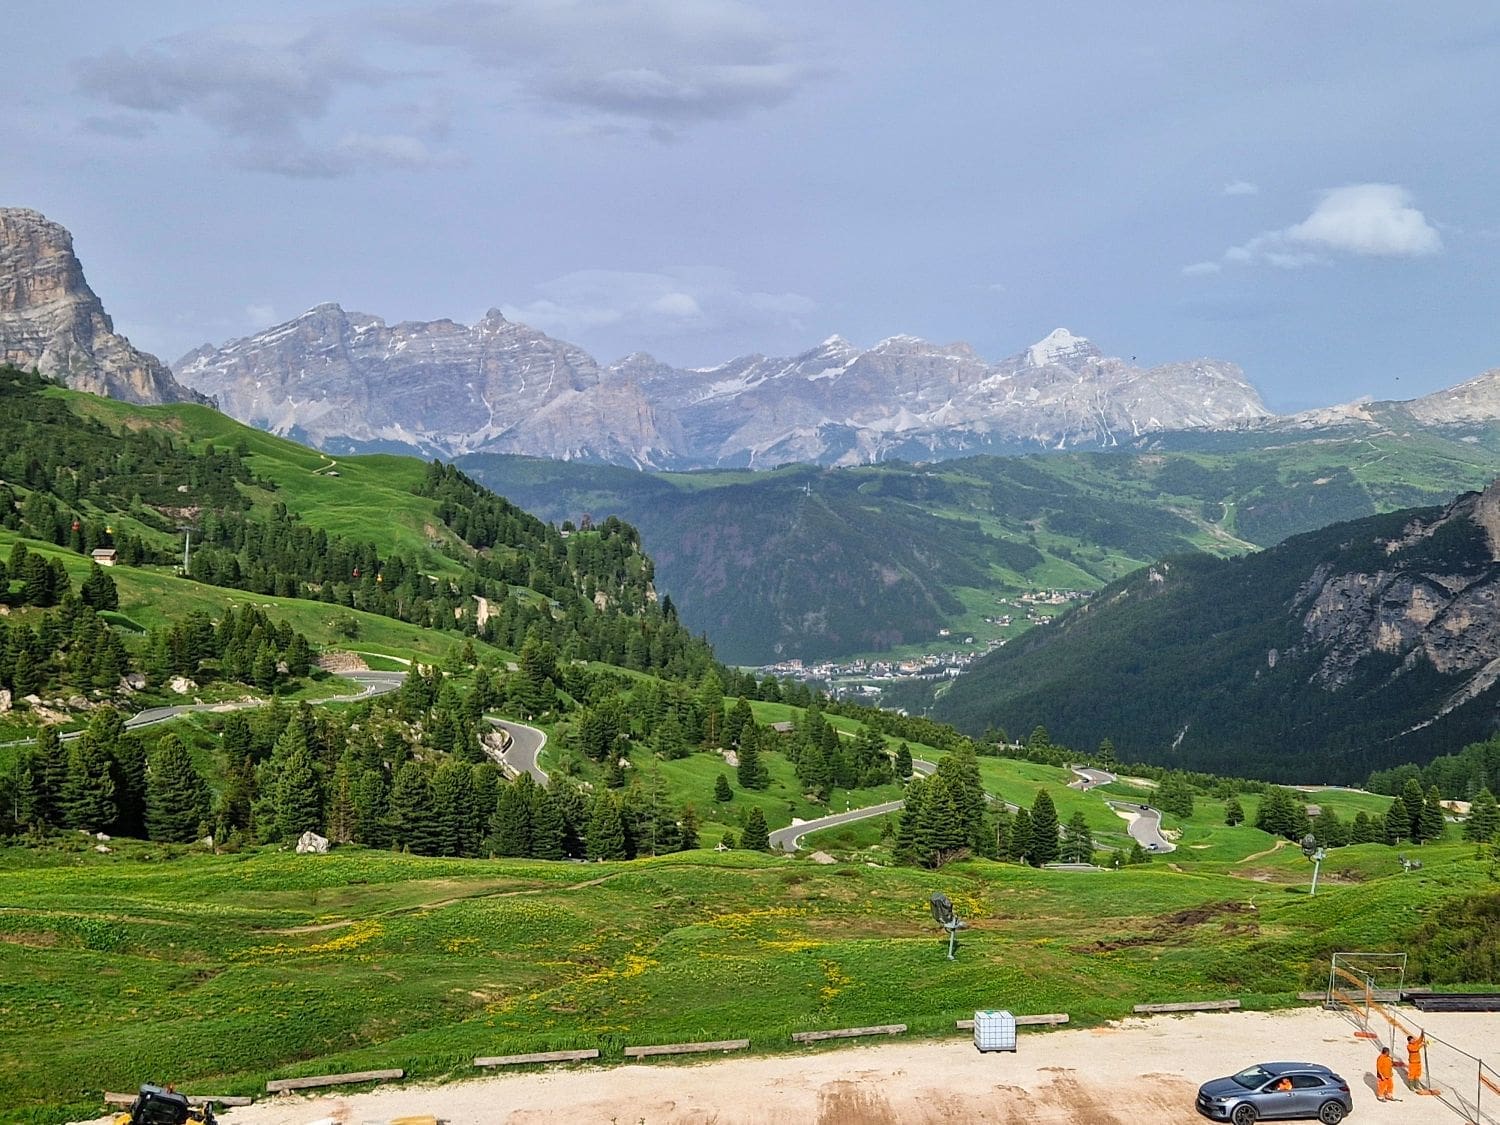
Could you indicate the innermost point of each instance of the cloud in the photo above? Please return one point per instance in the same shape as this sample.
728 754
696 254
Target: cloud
660 64
258 87
260 315
659 306
1241 187
127 126
1367 220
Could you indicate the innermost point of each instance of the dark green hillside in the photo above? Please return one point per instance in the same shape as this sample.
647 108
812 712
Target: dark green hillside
819 563
1335 653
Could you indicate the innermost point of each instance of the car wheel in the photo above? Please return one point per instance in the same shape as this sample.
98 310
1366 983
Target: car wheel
1332 1113
1244 1114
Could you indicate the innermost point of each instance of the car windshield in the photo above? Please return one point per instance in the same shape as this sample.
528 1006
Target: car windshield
1252 1078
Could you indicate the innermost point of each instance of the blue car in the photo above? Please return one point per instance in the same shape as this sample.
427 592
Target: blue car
1277 1091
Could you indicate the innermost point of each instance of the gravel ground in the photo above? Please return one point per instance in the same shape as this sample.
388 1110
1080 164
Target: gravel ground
1138 1070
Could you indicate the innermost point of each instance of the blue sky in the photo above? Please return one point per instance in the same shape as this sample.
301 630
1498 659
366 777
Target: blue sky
1306 189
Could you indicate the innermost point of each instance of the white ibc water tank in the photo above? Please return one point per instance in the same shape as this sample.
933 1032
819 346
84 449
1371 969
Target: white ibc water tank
994 1030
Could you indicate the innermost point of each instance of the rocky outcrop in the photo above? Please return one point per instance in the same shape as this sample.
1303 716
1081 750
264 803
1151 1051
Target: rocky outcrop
52 321
346 380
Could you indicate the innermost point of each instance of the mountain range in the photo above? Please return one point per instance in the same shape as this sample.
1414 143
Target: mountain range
348 381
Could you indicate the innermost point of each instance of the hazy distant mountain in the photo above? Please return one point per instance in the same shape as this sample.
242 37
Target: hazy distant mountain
347 380
50 319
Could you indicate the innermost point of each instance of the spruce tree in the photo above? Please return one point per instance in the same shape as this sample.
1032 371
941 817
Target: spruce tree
130 769
606 831
177 797
88 797
1078 841
906 848
98 589
1022 840
510 828
941 833
1045 845
49 765
903 762
548 827
1234 812
752 771
1430 820
1484 818
372 824
411 813
453 809
756 837
1412 800
722 793
1362 830
689 826
341 814
297 795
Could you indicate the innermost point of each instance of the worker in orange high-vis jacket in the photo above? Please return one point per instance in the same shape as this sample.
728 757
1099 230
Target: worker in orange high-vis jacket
1385 1076
1414 1045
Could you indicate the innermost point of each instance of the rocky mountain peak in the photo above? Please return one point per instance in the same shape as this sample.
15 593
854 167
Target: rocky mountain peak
52 321
1060 347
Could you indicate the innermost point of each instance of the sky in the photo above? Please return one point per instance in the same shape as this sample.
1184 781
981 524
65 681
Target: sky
1308 190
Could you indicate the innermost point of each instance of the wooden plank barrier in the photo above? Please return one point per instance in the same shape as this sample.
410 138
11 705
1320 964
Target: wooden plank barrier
128 1100
1051 1019
537 1057
847 1032
686 1048
1189 1006
279 1084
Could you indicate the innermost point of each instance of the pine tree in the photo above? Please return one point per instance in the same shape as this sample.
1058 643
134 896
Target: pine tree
453 809
177 797
1105 755
341 806
1362 830
411 814
1484 818
1430 822
510 828
1078 841
1234 812
1022 839
606 832
129 768
88 796
739 716
903 762
1412 799
98 589
906 848
372 823
756 837
752 771
1044 839
297 794
722 793
941 833
548 828
812 769
689 825
49 767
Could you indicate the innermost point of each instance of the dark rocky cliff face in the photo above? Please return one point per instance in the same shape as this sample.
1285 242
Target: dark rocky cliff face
52 321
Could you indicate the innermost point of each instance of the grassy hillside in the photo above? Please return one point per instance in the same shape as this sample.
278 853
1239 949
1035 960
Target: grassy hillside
821 563
221 971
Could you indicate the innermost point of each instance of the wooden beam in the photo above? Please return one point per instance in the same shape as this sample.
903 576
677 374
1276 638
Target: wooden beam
1050 1019
847 1032
686 1048
310 1083
128 1100
537 1057
1190 1006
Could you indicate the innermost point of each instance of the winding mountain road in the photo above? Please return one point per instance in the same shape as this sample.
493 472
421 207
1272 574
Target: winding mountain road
372 684
525 747
1145 826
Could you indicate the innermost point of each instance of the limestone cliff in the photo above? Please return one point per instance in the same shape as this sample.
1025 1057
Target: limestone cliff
52 321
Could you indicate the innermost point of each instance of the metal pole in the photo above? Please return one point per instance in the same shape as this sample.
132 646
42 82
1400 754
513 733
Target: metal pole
187 539
952 938
1317 863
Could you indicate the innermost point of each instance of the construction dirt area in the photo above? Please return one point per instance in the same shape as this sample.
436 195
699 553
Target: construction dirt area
1138 1070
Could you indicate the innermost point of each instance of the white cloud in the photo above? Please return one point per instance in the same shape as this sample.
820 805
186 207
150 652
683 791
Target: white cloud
1241 187
260 315
659 306
1375 219
1368 220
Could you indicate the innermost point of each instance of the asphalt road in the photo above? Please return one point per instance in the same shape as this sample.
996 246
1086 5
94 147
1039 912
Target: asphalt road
525 746
787 838
1088 778
372 684
1146 827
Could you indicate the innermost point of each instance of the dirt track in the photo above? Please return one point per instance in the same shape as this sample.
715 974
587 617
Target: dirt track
1133 1072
